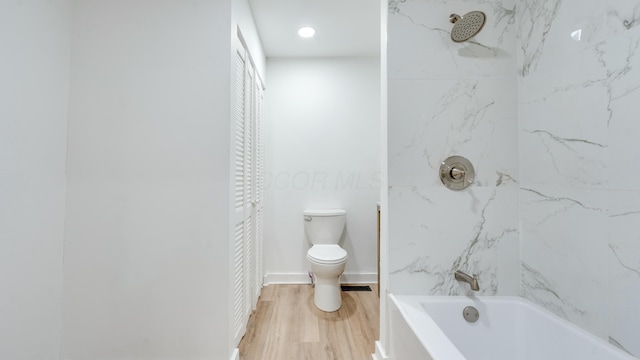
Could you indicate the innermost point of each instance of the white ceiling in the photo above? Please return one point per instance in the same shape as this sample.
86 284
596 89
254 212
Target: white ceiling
343 27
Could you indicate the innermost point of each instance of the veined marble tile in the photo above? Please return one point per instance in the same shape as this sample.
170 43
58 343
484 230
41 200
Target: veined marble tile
622 15
560 76
624 269
624 150
563 118
563 239
420 45
587 82
622 56
437 231
557 28
549 159
535 19
588 22
569 111
433 119
577 121
567 99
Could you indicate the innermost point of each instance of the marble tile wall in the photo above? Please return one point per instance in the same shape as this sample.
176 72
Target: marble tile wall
578 102
544 101
448 99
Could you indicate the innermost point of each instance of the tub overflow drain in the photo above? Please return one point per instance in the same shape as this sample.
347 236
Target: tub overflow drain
470 314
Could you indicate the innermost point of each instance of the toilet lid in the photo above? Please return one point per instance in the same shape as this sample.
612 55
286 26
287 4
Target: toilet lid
327 254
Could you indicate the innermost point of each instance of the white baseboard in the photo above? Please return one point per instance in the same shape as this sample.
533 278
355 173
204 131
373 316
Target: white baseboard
286 278
380 354
303 278
236 354
359 278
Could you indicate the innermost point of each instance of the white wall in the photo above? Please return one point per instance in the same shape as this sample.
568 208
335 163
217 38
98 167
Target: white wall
34 84
322 141
146 269
243 18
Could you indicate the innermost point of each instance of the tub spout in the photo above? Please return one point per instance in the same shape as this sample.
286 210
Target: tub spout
471 280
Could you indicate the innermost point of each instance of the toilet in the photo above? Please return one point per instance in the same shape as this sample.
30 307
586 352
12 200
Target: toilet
324 229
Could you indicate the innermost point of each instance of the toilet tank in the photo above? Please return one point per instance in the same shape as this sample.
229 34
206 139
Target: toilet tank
324 226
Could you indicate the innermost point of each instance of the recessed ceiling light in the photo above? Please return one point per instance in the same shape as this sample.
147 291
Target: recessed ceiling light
306 32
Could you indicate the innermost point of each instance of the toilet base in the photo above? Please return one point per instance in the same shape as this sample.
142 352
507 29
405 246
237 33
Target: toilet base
327 294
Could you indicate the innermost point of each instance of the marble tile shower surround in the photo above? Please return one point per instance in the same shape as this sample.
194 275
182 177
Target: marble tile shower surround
567 26
427 249
544 102
567 122
623 249
578 100
446 99
420 46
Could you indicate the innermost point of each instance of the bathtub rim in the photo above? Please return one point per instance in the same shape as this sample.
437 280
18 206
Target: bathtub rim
413 304
427 327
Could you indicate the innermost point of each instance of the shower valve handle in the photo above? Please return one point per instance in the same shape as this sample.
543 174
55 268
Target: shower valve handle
457 173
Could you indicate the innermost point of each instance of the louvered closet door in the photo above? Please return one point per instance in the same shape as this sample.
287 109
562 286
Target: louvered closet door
259 191
249 255
249 190
240 199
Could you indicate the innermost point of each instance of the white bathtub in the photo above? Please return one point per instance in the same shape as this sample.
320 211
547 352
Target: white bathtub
509 328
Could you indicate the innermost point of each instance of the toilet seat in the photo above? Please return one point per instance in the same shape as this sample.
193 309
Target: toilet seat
327 254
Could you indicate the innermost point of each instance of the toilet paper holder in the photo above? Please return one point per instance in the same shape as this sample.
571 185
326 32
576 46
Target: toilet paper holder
457 173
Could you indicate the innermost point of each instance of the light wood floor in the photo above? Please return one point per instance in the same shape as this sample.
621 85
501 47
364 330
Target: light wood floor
287 326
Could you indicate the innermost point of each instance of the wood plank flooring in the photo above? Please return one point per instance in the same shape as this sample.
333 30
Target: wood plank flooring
287 326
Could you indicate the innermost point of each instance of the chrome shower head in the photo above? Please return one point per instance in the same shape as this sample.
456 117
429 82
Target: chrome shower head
467 26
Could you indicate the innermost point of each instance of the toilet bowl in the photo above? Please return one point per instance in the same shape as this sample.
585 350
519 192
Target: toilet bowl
326 258
327 264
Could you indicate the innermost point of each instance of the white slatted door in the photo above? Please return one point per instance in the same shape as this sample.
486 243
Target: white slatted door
249 255
240 198
259 191
249 191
